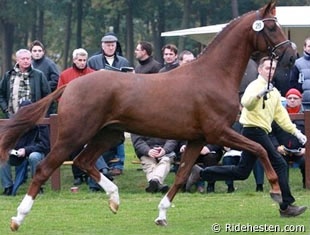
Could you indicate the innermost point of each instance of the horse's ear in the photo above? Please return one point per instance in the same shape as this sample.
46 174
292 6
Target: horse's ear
271 8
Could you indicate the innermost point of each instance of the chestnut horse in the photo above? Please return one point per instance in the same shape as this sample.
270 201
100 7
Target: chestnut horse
197 102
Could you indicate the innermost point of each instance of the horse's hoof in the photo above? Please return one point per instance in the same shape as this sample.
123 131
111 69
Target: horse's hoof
161 222
113 206
14 226
277 197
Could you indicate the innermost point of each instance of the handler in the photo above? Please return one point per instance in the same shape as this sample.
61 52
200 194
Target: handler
259 110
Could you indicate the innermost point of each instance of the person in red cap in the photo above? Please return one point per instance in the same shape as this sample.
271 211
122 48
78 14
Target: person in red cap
287 144
293 101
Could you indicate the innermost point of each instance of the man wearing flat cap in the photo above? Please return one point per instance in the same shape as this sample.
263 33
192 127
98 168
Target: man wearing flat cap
108 58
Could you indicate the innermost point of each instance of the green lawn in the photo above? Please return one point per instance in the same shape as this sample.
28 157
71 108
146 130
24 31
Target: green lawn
87 213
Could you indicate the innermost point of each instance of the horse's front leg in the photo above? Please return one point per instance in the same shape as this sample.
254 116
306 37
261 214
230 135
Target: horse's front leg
232 139
188 159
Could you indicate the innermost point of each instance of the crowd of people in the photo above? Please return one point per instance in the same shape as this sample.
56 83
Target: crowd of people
263 118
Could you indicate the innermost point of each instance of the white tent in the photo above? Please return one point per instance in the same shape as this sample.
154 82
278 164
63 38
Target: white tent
295 20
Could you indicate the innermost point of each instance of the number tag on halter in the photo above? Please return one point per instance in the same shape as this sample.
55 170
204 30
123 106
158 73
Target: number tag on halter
258 25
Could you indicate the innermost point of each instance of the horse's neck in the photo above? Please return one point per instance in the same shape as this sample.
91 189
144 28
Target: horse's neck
229 55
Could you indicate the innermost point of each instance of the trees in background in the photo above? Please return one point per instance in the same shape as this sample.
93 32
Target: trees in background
63 25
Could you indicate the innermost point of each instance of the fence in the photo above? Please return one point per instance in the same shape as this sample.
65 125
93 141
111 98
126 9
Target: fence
56 176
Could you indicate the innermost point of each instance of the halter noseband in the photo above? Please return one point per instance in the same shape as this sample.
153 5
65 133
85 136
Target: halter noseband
271 50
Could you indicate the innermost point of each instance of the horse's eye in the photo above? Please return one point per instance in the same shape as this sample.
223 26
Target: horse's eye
273 27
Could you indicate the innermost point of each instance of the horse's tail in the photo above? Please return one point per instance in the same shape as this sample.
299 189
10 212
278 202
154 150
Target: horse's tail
25 119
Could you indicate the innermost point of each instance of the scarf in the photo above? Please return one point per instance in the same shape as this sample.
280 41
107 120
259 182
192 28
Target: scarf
19 89
293 109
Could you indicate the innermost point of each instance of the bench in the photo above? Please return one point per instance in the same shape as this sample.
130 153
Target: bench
56 181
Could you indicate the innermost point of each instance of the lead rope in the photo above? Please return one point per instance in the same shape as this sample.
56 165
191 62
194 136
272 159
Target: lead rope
269 78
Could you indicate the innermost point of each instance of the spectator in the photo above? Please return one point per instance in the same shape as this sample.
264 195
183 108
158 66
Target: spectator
78 69
281 78
156 156
41 62
300 74
22 83
185 57
261 105
108 57
30 149
287 144
147 64
111 60
170 56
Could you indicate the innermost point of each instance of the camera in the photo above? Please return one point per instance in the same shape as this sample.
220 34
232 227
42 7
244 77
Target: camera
14 152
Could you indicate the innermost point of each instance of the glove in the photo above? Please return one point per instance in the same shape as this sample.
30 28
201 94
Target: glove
265 91
301 137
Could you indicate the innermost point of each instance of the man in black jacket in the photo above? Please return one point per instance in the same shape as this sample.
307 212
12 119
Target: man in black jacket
30 149
147 64
21 83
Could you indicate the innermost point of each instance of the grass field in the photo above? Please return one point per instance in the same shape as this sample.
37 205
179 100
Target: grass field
86 213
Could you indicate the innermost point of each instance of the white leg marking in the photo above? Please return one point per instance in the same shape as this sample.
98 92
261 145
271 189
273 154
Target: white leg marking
23 209
163 207
110 188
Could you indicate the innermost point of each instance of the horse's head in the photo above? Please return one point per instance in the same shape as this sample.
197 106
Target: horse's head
270 36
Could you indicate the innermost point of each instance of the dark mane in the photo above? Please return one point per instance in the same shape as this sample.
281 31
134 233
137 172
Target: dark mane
216 40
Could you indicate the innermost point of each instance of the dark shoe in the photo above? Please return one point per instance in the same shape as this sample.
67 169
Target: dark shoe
77 181
8 191
115 172
259 188
292 211
230 189
152 187
277 197
210 188
109 176
193 177
85 179
163 188
41 191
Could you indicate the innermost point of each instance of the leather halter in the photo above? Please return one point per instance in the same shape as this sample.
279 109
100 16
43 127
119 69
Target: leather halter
271 49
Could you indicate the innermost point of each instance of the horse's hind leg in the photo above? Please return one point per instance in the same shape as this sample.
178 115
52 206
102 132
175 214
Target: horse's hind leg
86 160
188 159
232 139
